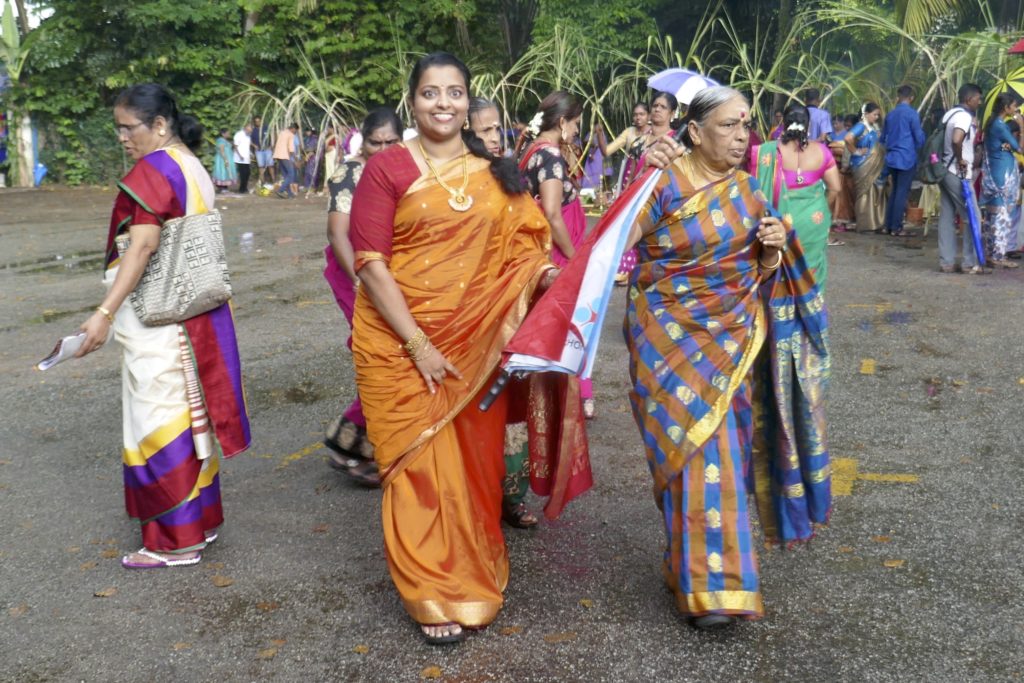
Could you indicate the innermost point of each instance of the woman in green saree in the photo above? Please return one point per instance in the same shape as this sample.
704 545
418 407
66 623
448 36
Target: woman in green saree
801 180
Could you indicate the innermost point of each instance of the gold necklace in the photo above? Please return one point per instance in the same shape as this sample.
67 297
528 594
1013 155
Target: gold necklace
458 200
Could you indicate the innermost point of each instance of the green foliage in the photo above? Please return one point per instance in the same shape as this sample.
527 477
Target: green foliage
316 61
89 50
619 25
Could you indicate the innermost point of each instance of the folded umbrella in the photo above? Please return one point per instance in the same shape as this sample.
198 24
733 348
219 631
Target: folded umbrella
972 219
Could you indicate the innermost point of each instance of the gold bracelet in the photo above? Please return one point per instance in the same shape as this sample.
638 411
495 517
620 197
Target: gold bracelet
422 352
778 262
106 314
416 343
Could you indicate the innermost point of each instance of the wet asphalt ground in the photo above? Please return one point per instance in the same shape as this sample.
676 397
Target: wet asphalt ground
918 578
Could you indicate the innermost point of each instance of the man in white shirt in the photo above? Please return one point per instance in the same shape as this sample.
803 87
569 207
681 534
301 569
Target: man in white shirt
958 156
242 143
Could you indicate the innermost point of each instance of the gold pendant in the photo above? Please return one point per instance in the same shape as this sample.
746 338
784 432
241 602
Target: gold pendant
460 201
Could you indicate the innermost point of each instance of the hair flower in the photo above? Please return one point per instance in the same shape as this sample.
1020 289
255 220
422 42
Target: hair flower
796 126
535 123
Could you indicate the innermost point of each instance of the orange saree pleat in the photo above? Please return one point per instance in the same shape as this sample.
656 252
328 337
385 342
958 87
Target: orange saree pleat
442 523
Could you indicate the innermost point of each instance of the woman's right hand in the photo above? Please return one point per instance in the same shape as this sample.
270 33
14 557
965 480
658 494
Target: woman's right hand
663 152
434 367
96 329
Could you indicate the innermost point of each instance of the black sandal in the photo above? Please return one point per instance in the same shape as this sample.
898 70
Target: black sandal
712 622
516 515
365 473
345 438
352 453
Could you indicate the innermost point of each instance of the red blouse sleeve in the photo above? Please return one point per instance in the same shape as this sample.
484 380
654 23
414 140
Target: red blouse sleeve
385 179
152 201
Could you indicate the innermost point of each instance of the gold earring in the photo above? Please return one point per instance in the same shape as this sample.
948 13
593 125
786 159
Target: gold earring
465 124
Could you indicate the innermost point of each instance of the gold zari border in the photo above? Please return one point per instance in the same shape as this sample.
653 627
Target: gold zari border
465 613
728 602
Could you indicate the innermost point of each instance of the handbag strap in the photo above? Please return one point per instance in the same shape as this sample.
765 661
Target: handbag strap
193 187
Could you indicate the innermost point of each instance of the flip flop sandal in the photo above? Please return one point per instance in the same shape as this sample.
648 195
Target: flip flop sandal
444 640
211 537
835 243
160 563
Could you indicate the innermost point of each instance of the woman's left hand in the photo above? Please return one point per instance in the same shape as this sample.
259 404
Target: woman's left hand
663 152
771 233
96 329
548 279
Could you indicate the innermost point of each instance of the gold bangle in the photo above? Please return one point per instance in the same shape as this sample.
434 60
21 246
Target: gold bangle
422 352
106 314
778 262
416 343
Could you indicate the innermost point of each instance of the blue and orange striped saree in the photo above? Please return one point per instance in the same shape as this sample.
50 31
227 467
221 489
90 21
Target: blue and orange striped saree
728 375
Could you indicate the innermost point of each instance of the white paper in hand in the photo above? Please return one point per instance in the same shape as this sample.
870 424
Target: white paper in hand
65 348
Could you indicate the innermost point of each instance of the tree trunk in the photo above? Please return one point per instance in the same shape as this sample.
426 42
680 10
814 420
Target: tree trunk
20 135
251 19
517 19
22 18
785 23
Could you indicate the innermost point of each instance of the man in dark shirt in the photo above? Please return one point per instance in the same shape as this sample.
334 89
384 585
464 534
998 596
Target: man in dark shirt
902 137
262 152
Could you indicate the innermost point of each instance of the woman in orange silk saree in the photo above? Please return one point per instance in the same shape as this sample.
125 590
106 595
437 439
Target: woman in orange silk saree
467 278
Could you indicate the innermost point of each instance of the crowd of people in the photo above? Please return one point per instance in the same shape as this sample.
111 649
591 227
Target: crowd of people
438 244
876 157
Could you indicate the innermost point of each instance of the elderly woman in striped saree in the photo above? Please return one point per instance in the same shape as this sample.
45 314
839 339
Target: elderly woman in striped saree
727 338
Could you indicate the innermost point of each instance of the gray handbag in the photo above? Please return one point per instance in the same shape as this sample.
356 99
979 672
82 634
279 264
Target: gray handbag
186 275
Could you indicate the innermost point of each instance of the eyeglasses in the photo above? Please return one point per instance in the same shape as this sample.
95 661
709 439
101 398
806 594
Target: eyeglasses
127 131
370 142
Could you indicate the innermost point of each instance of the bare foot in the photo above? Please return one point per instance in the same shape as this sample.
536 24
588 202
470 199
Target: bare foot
442 633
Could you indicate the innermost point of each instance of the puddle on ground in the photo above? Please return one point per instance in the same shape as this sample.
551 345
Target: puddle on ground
899 317
50 315
928 350
303 393
55 264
